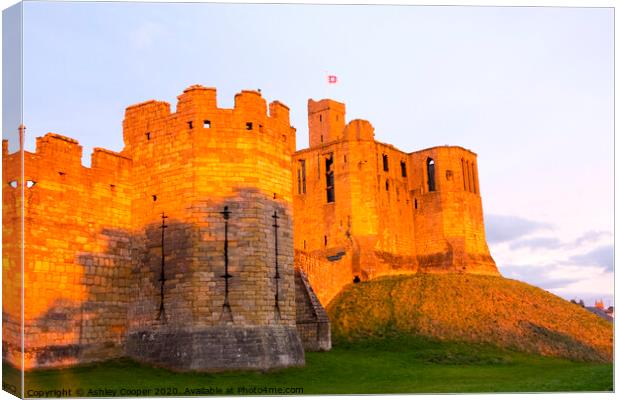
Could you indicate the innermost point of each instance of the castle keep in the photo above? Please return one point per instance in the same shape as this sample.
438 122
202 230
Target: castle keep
209 243
365 209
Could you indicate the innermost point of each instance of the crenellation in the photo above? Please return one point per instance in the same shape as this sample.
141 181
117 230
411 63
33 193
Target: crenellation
107 160
60 148
195 100
251 105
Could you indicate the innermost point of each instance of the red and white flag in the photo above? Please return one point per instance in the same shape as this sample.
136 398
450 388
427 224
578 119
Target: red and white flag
332 79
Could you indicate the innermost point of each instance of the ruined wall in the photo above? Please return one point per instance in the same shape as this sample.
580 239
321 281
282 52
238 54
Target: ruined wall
191 165
383 218
449 223
76 265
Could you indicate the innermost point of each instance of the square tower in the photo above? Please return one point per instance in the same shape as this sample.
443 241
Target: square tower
325 121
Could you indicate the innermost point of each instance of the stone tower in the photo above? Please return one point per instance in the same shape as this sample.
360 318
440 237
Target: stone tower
222 178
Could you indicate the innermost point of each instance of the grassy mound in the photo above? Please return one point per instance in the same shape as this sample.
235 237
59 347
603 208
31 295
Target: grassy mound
470 308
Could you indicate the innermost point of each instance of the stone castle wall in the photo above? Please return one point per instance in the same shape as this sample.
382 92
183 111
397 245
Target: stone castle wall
93 287
77 260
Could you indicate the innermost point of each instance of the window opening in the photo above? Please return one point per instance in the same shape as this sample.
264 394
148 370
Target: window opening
386 166
468 176
248 126
463 171
403 169
206 124
303 176
329 179
430 169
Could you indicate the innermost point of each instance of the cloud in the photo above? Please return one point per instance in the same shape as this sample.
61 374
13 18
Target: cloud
539 275
502 228
538 243
592 236
602 256
568 266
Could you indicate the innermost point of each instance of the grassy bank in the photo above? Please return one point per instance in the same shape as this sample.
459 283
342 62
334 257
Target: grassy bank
475 309
394 365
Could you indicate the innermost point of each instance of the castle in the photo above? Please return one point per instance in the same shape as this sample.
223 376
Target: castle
209 243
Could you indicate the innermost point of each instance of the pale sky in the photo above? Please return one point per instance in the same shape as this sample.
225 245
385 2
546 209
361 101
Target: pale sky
530 90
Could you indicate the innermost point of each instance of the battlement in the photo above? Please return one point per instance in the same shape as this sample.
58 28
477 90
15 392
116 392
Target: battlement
197 113
103 159
57 155
196 98
61 148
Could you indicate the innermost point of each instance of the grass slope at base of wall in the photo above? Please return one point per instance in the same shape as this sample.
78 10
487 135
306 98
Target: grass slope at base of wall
473 309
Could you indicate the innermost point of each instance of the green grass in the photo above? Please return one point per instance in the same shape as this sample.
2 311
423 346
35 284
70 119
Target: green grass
390 365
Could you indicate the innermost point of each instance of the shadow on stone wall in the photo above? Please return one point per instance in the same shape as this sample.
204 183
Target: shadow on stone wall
121 311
